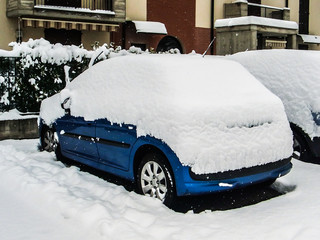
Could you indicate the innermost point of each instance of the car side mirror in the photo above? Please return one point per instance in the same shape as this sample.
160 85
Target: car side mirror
66 105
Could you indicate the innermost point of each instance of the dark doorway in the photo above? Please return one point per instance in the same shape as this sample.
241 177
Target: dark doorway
168 43
65 37
260 41
64 3
303 47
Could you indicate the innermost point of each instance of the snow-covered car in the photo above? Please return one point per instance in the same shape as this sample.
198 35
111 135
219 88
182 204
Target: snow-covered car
174 124
294 76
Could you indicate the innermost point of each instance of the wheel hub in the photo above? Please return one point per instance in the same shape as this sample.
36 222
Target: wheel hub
153 181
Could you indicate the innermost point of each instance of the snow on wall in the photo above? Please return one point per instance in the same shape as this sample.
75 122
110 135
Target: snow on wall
253 20
74 9
214 119
294 76
14 114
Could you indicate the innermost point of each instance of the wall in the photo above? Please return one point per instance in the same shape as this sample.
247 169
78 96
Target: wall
7 27
180 20
136 10
274 3
230 41
294 10
314 21
203 13
19 129
219 8
34 33
90 37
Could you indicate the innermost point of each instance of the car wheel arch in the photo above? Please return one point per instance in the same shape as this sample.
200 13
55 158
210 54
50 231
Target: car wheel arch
144 150
145 145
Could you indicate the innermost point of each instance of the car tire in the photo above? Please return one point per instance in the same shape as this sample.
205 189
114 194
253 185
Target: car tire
300 148
48 141
155 179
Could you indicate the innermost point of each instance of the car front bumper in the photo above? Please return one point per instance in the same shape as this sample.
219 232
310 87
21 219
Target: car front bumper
232 179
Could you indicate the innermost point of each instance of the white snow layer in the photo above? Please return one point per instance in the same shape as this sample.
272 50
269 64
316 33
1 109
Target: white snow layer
74 9
212 112
253 20
15 114
150 27
294 76
47 200
49 53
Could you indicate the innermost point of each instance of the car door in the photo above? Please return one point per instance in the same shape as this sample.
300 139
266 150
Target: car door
114 143
77 137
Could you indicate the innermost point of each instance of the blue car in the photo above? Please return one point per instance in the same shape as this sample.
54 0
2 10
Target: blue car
155 121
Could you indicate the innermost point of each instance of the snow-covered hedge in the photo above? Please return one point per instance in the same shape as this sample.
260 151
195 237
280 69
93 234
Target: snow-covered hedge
35 70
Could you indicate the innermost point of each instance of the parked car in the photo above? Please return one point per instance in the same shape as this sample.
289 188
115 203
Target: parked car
174 124
293 75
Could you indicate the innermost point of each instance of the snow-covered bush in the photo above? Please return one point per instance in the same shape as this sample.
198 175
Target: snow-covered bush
34 70
7 82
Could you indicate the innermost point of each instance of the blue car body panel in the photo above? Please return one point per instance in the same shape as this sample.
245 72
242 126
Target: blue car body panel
112 148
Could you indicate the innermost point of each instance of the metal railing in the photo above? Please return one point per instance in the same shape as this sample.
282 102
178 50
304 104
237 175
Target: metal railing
265 11
88 4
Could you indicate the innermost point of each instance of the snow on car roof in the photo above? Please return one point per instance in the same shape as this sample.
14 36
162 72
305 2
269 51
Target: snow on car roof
203 108
293 75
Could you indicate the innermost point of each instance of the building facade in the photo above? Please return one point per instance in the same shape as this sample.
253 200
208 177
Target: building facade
64 21
232 25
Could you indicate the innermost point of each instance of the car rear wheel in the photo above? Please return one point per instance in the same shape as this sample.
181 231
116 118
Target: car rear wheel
154 179
47 140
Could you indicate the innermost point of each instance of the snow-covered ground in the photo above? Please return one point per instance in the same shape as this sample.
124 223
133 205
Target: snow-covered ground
42 199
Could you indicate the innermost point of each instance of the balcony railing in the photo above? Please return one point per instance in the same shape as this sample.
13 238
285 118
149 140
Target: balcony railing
243 9
265 11
84 4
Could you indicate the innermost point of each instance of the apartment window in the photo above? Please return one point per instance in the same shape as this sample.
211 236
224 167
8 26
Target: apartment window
64 3
65 37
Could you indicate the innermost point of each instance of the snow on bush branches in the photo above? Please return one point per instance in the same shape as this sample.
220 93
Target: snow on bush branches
34 70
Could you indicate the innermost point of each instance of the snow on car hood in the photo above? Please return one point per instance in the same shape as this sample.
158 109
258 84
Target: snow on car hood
293 75
212 112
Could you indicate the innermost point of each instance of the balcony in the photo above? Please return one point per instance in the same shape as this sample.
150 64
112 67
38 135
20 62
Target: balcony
242 9
76 5
251 26
100 11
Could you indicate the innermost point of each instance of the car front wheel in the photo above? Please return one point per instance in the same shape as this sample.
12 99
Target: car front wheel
300 150
154 179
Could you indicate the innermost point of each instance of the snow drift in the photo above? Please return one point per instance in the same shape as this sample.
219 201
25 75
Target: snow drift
212 112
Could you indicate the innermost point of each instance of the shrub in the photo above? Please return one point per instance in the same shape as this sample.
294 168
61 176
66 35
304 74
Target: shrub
35 70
